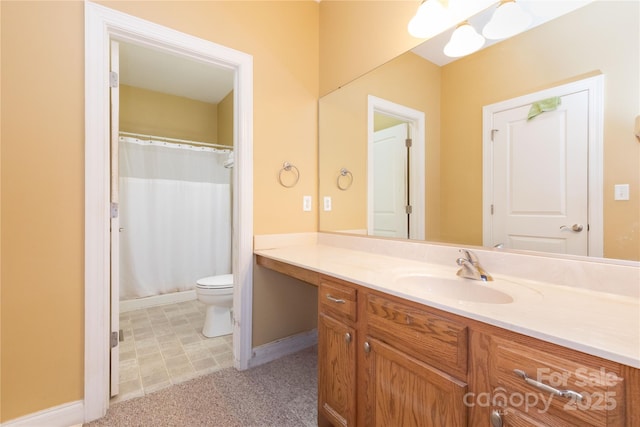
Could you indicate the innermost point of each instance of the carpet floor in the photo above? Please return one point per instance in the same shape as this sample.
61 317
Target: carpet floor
281 393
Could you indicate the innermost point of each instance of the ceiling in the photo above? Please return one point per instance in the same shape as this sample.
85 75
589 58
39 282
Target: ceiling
160 71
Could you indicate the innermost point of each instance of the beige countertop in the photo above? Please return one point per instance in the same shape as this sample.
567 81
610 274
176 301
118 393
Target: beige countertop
598 323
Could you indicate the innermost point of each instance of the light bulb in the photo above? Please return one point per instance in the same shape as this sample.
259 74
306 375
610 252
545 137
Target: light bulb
464 40
508 20
430 19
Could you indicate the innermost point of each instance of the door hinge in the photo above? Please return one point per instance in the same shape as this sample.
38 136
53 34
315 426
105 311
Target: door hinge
114 339
114 210
408 142
408 209
113 79
491 209
493 132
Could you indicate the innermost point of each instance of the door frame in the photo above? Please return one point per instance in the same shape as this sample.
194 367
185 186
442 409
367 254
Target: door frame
101 26
417 173
595 88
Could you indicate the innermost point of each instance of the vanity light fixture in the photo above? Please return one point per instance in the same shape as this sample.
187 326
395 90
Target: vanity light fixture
431 17
435 16
464 40
508 20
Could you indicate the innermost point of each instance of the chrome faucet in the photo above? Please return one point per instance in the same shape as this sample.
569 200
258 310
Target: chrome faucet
471 268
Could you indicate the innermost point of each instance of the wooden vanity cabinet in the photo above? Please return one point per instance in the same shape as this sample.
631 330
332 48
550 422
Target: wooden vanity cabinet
413 364
419 366
376 358
387 361
337 340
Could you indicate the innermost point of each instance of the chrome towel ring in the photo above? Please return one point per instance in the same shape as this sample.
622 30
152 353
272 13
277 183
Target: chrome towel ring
349 180
288 167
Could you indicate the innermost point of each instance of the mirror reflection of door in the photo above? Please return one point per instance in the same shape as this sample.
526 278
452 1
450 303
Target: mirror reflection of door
395 170
540 175
391 216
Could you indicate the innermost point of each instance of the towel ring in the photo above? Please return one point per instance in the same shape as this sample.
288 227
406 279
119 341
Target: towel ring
288 167
345 172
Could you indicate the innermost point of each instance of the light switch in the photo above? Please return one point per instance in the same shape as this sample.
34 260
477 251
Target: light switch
621 192
306 203
327 203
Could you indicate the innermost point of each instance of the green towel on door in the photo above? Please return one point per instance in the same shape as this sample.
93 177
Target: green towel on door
539 107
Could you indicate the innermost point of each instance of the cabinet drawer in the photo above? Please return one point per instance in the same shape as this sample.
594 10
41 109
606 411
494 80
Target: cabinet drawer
598 387
337 299
428 337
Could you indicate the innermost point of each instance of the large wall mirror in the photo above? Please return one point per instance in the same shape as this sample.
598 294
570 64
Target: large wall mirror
599 38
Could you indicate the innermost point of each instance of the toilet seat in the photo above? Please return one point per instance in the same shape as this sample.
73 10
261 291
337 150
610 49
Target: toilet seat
216 282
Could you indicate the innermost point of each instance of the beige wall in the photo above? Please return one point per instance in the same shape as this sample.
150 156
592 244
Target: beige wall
554 55
225 120
154 113
42 206
42 168
296 300
357 36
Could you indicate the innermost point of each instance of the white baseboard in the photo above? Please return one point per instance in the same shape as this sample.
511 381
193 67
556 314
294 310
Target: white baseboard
66 415
156 300
277 349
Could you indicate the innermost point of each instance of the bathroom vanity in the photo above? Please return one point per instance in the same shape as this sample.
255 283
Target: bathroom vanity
407 342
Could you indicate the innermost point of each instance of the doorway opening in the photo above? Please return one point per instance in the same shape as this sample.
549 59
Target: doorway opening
172 158
103 25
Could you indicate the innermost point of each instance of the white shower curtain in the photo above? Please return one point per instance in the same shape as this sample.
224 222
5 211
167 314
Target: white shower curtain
175 215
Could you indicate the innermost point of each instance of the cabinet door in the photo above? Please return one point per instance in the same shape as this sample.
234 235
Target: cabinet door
336 371
403 391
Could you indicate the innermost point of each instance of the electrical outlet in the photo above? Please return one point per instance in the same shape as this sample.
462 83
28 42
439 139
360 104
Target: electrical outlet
621 192
306 203
327 203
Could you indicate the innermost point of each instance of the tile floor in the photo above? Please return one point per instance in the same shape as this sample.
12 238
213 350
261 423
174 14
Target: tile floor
164 345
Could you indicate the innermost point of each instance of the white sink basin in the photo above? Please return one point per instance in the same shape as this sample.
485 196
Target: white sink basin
454 288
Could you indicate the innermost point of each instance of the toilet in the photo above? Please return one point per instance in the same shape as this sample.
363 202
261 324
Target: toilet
217 293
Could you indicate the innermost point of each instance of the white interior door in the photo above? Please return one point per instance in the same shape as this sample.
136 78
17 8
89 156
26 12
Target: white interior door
115 221
390 177
540 177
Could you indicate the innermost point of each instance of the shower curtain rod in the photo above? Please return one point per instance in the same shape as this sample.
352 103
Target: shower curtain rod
179 141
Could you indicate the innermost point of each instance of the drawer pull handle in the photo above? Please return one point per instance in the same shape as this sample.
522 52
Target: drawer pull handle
496 419
347 337
562 393
336 300
367 347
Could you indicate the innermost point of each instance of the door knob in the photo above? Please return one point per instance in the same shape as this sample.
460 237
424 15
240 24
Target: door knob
575 227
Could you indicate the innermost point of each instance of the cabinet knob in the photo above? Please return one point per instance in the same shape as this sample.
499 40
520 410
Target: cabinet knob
496 418
367 347
347 337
